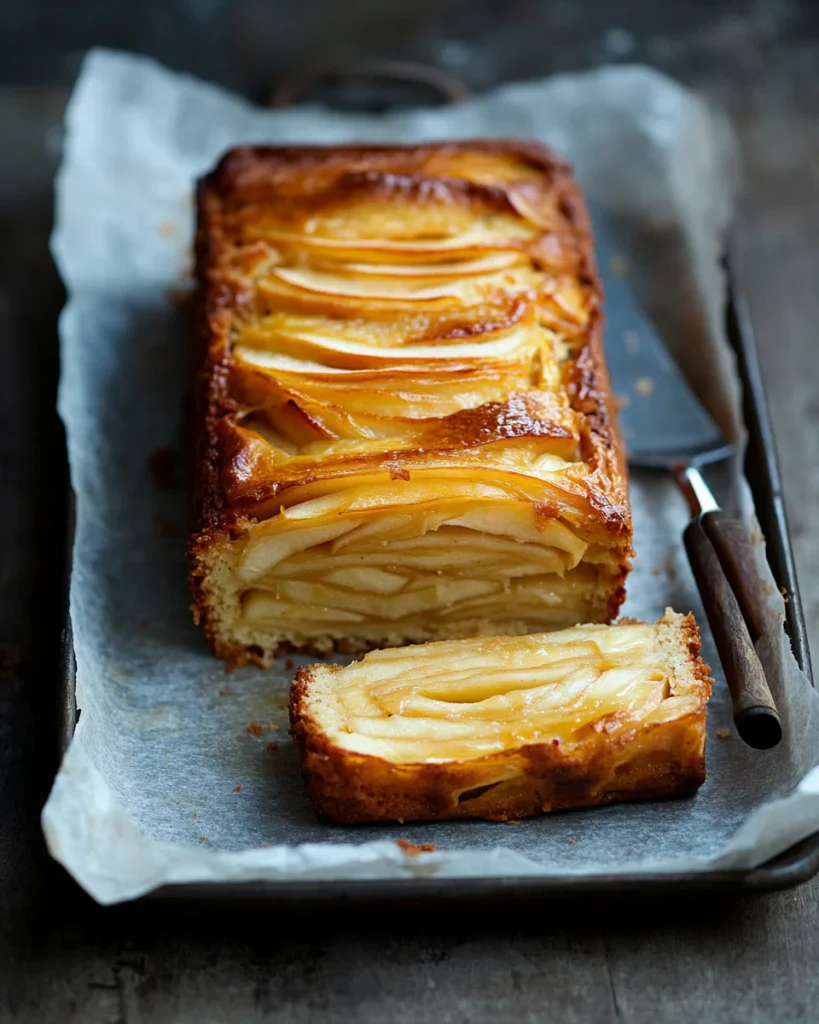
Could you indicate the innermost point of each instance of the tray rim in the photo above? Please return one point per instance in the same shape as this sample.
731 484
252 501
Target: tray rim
790 868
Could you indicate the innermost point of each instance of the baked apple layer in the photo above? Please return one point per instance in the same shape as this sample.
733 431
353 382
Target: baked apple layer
410 573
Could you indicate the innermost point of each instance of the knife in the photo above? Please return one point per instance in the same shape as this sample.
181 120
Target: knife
666 427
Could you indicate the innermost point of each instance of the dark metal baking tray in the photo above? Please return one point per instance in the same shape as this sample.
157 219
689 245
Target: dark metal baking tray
790 868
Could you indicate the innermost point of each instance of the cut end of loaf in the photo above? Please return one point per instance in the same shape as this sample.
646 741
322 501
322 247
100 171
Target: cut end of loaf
346 595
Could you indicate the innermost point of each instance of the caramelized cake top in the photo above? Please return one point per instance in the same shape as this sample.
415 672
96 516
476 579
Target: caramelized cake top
382 323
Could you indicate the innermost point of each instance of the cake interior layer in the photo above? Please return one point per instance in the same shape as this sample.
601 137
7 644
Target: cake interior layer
413 573
466 699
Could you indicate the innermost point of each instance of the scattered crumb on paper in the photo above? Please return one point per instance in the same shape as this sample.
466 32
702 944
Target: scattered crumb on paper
414 849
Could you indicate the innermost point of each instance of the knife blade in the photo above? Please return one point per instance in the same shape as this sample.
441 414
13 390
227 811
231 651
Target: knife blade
661 418
665 426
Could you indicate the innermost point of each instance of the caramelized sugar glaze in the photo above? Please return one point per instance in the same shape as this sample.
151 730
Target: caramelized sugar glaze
454 699
405 429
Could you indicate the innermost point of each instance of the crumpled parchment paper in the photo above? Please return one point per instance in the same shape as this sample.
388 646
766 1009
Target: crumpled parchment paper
163 782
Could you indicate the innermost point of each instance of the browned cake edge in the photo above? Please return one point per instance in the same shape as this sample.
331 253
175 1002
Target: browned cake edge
213 521
661 760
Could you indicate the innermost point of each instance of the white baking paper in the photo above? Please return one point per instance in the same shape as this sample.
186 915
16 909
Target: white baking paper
163 782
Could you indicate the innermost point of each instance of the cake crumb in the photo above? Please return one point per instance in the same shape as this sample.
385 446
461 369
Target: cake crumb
572 842
255 729
237 789
265 845
621 401
512 821
194 814
226 693
203 839
273 727
288 665
723 734
271 748
414 849
785 595
644 386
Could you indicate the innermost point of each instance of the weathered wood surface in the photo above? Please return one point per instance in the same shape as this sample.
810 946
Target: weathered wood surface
63 959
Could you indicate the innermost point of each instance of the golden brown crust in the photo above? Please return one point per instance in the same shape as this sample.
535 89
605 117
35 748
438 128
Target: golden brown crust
239 480
352 788
644 761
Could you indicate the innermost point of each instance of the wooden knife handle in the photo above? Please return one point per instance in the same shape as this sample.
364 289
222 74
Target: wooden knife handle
736 556
755 714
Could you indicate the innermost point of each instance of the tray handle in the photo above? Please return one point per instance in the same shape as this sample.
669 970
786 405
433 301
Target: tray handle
443 86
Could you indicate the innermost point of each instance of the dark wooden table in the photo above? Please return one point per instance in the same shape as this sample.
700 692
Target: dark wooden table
64 959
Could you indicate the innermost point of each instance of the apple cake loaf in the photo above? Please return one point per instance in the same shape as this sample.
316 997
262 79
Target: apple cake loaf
404 424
